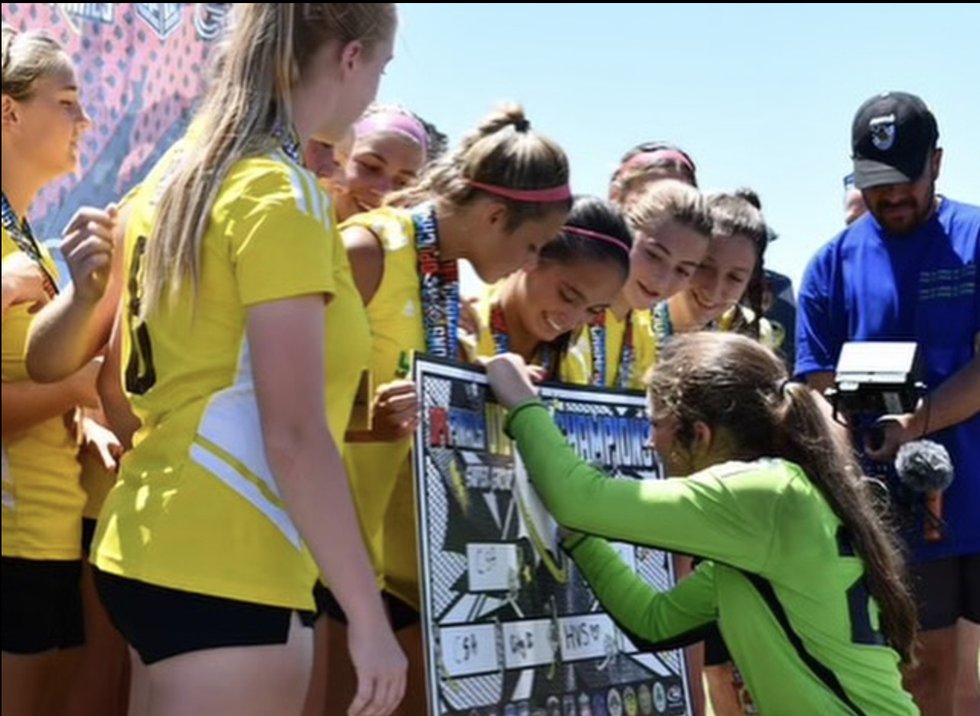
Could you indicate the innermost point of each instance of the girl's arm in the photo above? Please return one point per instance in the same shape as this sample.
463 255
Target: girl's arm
728 519
26 403
115 404
75 326
663 619
286 339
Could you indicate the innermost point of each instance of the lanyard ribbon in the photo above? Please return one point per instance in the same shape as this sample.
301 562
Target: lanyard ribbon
20 232
627 355
440 287
662 326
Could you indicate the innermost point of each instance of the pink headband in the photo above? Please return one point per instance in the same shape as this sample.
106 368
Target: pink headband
645 159
599 236
393 121
531 196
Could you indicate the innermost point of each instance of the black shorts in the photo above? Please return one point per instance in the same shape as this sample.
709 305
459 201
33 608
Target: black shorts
88 534
946 590
401 613
42 605
715 650
159 622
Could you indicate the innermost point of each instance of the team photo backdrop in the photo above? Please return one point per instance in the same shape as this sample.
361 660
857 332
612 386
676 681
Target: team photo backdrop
141 68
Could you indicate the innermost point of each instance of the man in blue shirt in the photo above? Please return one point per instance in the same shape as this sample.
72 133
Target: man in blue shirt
907 271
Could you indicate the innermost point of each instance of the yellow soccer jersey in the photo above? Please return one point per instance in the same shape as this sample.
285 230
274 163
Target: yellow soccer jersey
480 344
577 365
381 473
737 319
42 496
196 506
96 481
484 345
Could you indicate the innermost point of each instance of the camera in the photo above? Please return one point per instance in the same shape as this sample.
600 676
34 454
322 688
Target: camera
874 379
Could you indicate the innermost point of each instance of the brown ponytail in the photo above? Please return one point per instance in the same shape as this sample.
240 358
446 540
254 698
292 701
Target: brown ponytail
733 383
502 151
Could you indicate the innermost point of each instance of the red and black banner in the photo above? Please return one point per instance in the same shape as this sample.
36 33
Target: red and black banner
141 68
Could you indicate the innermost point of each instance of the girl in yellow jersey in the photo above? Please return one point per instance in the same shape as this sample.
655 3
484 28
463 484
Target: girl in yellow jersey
233 498
495 201
648 163
578 274
384 152
96 679
731 266
42 497
712 300
671 228
390 148
623 335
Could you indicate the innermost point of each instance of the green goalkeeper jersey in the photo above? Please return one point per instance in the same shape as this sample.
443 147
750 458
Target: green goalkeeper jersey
780 576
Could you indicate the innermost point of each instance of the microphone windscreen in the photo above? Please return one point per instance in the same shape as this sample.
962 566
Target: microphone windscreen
924 466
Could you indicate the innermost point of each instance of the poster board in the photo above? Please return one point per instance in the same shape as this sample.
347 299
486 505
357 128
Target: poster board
510 626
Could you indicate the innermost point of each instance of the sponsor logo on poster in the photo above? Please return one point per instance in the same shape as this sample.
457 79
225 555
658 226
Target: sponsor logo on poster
629 702
615 703
568 705
599 705
645 697
659 698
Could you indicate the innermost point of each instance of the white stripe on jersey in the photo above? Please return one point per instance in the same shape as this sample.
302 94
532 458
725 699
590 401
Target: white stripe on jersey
231 422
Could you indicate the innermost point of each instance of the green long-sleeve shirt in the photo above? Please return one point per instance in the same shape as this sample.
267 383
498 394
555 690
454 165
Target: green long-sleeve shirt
781 578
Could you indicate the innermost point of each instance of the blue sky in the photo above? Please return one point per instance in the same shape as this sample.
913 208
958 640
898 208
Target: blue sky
760 96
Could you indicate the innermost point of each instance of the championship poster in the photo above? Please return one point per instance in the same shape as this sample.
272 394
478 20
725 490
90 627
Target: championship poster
511 628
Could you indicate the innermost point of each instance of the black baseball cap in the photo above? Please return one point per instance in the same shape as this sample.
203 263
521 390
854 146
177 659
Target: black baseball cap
891 139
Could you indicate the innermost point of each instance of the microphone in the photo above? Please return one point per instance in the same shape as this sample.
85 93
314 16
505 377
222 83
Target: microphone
924 466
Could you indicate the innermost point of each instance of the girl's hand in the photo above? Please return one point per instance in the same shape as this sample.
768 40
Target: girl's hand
87 245
396 411
511 379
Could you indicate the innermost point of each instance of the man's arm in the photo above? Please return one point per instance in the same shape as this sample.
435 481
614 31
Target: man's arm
820 330
954 401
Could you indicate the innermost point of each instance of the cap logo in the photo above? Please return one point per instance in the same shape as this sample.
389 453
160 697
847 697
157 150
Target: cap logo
883 132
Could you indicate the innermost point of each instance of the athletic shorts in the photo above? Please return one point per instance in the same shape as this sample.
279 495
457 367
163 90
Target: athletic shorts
401 613
946 590
88 534
159 622
42 605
